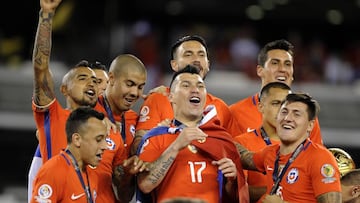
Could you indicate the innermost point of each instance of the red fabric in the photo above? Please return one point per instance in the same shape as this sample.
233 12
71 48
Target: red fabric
218 145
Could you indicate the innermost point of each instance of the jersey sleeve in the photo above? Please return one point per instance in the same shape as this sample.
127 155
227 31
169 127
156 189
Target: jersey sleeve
259 159
155 109
324 172
151 150
224 114
47 187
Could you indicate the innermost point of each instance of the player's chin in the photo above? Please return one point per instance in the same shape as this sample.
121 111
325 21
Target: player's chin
95 162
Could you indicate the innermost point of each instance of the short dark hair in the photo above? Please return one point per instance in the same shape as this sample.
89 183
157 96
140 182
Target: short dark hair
265 90
96 65
277 44
313 106
82 63
185 39
351 178
78 118
188 69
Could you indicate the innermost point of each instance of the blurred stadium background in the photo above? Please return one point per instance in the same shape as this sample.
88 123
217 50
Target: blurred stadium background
325 34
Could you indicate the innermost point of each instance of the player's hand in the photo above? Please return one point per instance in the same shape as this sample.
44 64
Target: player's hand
187 135
134 165
165 122
272 199
227 167
49 5
160 89
109 126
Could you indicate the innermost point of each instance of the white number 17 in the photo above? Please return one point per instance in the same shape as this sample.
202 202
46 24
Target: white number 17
196 176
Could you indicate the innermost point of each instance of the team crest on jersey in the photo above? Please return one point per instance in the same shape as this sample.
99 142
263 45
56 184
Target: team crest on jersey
328 171
292 176
44 192
110 143
144 114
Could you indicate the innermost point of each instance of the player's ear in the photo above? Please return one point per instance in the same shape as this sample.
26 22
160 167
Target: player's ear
260 107
63 90
171 97
76 138
355 192
259 70
111 80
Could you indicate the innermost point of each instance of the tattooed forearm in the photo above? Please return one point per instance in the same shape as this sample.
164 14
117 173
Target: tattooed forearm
334 197
42 46
246 157
160 169
46 16
43 85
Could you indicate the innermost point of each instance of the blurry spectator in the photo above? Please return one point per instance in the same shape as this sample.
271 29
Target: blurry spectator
244 49
338 70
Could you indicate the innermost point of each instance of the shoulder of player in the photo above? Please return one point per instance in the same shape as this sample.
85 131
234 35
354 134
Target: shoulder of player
247 139
57 165
211 99
131 115
241 103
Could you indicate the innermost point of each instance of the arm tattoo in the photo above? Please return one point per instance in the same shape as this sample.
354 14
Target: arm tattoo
160 169
246 157
334 197
46 17
41 56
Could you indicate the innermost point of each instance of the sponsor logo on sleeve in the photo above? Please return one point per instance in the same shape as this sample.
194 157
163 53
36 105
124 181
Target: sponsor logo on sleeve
44 193
328 171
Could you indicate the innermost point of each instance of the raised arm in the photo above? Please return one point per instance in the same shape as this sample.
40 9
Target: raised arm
43 83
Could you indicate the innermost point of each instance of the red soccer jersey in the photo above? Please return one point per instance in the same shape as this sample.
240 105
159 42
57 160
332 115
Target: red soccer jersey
116 153
157 108
314 172
245 112
50 123
253 141
192 172
129 123
57 181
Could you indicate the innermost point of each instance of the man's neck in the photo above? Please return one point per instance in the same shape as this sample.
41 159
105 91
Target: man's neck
270 131
75 156
189 122
290 147
112 106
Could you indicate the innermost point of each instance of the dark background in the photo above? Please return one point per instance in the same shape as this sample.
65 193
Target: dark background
89 26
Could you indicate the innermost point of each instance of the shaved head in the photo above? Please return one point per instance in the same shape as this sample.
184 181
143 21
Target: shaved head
124 62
